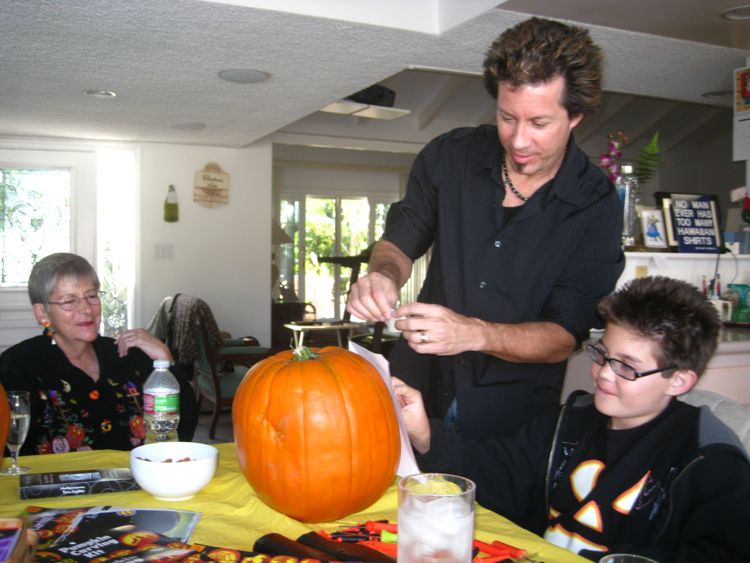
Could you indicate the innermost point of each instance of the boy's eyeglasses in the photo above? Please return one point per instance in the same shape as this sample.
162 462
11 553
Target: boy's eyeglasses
619 367
72 303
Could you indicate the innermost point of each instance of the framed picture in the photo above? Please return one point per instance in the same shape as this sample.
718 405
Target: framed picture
691 221
654 234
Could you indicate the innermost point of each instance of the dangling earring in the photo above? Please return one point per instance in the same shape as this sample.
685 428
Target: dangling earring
49 331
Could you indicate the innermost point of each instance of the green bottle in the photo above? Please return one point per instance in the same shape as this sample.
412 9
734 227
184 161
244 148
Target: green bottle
171 207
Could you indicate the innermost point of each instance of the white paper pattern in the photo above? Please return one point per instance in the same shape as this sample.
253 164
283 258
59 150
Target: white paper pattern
407 464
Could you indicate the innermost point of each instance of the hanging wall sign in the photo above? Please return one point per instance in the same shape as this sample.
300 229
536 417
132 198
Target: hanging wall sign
211 186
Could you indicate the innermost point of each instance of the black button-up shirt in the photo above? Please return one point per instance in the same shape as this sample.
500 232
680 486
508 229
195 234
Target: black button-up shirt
551 259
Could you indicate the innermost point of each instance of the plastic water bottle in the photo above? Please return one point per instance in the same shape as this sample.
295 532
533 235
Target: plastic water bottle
161 404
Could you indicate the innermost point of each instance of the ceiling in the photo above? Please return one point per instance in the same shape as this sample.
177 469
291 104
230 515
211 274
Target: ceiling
161 57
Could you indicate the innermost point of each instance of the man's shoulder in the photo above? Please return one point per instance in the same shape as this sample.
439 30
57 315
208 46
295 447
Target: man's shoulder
481 134
475 147
591 177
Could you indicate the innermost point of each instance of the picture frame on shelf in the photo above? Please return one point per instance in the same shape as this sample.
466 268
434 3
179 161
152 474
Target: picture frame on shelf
692 222
654 232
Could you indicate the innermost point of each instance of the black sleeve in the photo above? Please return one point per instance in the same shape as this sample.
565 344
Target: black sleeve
509 473
411 223
591 273
188 405
15 376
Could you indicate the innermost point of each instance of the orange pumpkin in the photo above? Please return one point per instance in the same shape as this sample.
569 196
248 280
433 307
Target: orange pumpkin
4 419
317 438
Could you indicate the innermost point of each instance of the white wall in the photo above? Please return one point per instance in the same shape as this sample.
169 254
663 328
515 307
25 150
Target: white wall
221 255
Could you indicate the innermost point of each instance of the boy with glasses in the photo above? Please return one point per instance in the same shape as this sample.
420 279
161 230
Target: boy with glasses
627 468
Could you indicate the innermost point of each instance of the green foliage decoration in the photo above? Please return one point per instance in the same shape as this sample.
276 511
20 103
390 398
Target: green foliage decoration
649 160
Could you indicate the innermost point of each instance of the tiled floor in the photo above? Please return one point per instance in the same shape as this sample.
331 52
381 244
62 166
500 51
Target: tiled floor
223 429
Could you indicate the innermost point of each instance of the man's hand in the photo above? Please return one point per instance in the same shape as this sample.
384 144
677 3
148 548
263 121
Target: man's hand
434 329
414 415
373 297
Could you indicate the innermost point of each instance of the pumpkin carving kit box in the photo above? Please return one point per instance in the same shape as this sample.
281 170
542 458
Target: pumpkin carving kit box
70 483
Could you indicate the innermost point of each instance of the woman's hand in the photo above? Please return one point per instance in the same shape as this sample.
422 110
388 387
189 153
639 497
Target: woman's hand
139 338
414 415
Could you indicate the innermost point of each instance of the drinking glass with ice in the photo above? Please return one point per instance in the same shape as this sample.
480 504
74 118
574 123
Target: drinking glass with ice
435 518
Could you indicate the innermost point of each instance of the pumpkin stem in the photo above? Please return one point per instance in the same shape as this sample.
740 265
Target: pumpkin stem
302 353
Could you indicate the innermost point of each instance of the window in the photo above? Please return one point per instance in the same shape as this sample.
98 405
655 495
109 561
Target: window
323 227
115 231
34 219
55 200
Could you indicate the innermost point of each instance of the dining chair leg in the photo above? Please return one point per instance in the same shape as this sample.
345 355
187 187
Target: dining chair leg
214 420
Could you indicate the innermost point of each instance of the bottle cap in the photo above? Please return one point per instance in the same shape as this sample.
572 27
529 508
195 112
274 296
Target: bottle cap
161 364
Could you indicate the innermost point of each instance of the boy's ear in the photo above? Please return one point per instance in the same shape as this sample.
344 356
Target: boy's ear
682 381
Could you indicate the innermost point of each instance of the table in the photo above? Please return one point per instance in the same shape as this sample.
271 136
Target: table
299 329
233 516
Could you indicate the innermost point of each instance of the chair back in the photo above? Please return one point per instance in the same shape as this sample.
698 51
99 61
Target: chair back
205 366
735 415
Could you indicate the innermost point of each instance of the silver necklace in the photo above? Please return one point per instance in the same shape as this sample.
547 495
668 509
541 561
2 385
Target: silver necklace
507 182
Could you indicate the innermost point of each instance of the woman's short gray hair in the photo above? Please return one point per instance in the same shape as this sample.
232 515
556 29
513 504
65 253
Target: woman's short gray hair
46 274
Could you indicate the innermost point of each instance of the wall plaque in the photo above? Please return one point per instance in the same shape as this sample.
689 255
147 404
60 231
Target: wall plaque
692 221
211 186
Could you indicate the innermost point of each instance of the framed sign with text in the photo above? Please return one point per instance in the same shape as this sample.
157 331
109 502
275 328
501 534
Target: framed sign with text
691 221
211 186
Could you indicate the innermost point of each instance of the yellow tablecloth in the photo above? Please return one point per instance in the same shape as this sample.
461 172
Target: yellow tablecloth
233 516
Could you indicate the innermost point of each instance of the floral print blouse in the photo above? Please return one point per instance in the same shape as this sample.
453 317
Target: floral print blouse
69 410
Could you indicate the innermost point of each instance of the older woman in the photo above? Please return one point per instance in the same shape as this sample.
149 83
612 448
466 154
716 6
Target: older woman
86 388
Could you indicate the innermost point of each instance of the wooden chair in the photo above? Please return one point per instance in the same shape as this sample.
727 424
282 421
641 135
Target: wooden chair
219 371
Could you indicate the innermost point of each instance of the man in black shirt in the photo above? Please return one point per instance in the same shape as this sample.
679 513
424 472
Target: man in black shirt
525 236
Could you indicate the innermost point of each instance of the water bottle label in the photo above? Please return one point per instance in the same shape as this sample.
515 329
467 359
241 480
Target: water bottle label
161 404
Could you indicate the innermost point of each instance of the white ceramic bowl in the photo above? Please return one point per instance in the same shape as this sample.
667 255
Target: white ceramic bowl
173 480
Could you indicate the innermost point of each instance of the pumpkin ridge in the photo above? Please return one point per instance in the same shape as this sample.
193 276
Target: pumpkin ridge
362 472
304 469
294 380
270 460
264 461
344 395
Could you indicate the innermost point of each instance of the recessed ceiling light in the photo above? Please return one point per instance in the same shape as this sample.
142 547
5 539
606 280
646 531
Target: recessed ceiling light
190 126
714 94
100 93
737 13
243 75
